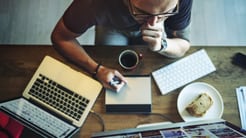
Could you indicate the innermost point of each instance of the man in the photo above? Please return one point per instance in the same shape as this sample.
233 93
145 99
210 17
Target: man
162 25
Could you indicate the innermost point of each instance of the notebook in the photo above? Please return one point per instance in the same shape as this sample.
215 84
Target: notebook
217 128
134 97
56 101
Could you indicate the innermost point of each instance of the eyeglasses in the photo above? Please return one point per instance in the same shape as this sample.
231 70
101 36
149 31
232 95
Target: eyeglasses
138 13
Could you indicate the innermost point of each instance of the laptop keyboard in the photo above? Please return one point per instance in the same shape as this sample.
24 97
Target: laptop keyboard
43 120
59 97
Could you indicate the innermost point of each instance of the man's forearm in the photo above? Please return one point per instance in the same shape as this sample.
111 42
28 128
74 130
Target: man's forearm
65 42
176 47
77 55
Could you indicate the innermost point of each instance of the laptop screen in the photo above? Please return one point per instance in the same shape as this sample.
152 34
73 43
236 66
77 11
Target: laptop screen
213 128
36 119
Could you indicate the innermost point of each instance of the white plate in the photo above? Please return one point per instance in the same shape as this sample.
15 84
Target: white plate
190 92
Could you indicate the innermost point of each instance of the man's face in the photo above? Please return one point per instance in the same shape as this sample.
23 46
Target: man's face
153 10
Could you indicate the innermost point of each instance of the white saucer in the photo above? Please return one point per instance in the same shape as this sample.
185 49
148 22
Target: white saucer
190 92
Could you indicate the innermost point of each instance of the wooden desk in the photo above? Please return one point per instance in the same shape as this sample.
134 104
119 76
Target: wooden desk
18 63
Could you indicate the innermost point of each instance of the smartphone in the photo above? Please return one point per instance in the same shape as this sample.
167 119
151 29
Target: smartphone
118 82
239 59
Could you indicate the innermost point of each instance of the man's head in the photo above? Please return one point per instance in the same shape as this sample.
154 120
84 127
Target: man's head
143 10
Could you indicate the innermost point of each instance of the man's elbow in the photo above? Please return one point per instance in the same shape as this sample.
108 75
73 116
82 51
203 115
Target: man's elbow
184 49
58 33
54 37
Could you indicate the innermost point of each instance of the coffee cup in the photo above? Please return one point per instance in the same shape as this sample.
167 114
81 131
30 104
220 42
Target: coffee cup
129 59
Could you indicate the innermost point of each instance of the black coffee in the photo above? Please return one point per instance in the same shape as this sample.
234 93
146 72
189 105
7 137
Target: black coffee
128 59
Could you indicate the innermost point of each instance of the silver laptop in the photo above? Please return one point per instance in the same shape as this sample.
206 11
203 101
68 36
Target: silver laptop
56 101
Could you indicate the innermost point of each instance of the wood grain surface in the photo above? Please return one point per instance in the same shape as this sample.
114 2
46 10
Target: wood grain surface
19 62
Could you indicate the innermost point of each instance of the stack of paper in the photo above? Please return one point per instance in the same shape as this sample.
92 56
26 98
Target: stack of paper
241 98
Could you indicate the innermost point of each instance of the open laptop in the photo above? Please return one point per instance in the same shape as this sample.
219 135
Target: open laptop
56 101
217 128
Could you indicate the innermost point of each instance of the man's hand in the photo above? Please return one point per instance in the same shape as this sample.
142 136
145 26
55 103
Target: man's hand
153 33
106 76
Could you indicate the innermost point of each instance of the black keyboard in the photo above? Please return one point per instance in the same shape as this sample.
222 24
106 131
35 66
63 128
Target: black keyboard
59 97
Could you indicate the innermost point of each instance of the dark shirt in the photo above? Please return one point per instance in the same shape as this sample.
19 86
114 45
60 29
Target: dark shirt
82 14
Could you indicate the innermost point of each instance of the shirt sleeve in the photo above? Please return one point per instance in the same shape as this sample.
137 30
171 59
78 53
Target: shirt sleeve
182 19
80 15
